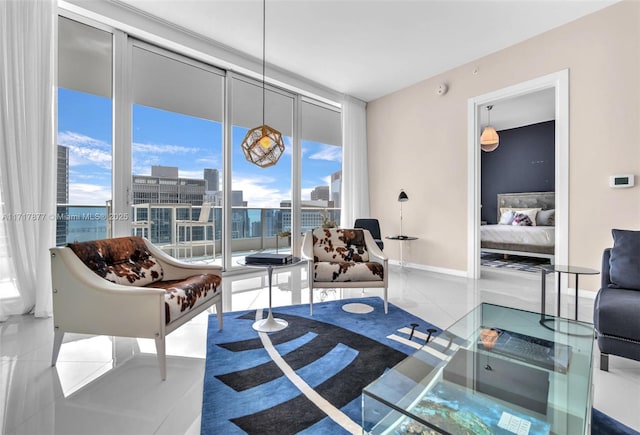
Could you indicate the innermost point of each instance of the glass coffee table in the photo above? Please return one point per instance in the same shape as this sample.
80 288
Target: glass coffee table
499 370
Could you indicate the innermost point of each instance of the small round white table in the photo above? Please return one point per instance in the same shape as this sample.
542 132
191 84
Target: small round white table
270 324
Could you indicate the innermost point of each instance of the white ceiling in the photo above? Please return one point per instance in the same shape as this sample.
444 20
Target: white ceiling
523 110
369 48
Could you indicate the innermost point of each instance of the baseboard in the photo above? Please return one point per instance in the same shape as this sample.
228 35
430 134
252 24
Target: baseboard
445 271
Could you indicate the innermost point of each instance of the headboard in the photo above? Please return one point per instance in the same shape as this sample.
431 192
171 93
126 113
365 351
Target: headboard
543 200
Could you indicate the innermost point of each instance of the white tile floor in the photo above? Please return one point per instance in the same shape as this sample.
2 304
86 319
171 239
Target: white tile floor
103 385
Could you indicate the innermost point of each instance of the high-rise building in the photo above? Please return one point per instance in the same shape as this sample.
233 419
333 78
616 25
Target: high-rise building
62 187
320 193
164 171
212 177
237 199
217 198
312 216
62 193
336 187
164 186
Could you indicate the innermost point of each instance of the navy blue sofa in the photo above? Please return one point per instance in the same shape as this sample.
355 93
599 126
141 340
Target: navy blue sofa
616 315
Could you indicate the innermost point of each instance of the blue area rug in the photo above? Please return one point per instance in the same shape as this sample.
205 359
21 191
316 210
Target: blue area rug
602 424
334 352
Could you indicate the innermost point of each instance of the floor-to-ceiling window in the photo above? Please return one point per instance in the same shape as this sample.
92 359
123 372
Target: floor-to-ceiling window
84 152
261 197
177 136
321 165
186 121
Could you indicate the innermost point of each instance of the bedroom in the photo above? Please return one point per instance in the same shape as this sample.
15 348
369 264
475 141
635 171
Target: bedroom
518 183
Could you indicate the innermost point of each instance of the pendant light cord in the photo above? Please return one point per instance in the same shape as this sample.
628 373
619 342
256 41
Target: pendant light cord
264 35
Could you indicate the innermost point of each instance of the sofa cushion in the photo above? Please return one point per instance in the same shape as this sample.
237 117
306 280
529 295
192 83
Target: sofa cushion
184 294
122 260
345 271
332 244
616 313
625 260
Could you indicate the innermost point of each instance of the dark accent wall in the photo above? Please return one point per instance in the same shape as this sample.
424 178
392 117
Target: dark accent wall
523 162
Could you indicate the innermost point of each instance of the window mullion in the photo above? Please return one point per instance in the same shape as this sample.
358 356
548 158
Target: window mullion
122 115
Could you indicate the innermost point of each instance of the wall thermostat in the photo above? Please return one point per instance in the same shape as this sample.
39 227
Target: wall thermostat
621 180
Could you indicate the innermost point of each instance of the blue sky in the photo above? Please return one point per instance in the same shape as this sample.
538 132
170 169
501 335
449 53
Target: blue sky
170 139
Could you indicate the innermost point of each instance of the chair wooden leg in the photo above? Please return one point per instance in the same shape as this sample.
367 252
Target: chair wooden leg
57 343
604 362
219 313
162 357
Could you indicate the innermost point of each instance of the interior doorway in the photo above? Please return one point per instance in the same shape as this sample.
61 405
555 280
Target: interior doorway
559 83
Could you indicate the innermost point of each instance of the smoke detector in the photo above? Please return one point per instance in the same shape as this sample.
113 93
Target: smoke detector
442 89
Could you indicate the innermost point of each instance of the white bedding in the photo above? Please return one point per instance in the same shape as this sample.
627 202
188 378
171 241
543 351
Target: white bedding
525 235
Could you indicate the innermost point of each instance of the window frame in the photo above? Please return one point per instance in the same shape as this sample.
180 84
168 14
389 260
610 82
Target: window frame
125 37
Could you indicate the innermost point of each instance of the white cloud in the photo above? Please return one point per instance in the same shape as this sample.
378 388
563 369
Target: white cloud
142 166
79 155
259 192
305 193
209 161
146 155
85 150
148 148
71 138
327 152
196 173
88 194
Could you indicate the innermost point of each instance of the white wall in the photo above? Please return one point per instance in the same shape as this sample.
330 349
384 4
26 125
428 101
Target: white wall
417 140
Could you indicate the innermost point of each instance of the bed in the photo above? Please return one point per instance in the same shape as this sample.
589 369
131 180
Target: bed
526 240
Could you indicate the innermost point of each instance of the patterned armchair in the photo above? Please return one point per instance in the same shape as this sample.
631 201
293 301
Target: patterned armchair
127 287
344 258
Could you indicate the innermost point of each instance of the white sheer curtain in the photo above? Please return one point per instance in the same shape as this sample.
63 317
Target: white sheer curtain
27 153
9 296
355 172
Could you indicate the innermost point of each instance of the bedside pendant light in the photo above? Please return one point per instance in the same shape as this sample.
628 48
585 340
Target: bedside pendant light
489 138
263 145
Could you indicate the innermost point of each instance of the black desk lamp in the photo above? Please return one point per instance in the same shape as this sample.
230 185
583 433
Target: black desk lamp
402 198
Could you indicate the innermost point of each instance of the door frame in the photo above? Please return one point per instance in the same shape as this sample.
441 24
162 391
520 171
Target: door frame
559 81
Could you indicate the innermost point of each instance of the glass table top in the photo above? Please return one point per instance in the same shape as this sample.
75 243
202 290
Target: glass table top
572 269
497 368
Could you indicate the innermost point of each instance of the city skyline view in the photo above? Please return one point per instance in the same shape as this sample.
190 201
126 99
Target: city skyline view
166 138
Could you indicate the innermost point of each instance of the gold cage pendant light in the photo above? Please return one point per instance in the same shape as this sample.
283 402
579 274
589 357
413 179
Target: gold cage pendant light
489 139
263 146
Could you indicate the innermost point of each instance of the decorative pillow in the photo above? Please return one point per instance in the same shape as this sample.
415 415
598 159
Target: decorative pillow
522 219
506 218
546 217
624 263
531 212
